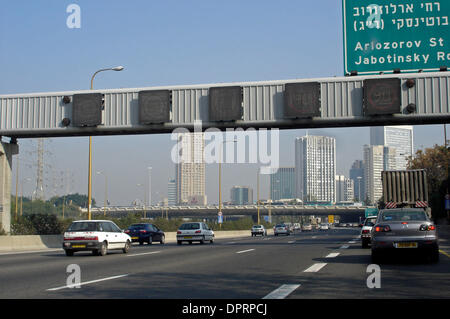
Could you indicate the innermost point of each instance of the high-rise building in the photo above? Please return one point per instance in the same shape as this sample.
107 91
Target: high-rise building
344 189
241 195
377 158
172 192
398 137
357 175
190 169
282 183
315 168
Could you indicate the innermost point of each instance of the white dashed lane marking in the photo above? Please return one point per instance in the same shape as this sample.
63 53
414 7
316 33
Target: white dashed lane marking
315 268
281 292
244 251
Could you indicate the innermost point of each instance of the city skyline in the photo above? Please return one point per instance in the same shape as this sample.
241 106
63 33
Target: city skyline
161 173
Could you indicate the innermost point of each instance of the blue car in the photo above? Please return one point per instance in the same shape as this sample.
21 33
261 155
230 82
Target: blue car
145 233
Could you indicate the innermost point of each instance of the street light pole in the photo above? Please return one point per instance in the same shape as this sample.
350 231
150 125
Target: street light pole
257 187
220 176
117 68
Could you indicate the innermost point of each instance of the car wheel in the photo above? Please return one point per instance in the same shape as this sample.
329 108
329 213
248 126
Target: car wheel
126 249
103 249
202 241
150 240
141 243
179 242
211 241
190 242
163 240
69 252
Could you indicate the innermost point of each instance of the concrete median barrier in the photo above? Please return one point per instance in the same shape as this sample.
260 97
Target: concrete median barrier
42 242
30 242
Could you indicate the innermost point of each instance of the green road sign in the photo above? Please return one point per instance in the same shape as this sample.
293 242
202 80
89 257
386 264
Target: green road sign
371 212
384 35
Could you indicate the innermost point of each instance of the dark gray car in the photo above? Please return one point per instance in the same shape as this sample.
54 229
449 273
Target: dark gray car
404 229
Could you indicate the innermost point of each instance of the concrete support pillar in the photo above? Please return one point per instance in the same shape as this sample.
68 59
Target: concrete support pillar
7 150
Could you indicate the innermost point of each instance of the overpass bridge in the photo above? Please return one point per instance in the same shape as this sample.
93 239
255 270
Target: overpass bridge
347 213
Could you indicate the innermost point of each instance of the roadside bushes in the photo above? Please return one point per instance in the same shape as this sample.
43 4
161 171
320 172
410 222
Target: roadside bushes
37 224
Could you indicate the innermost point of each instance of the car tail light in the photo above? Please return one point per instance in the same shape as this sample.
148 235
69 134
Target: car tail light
365 231
143 231
178 232
198 231
81 238
427 227
382 228
127 231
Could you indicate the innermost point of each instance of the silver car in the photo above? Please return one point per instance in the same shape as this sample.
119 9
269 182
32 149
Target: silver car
195 231
404 229
259 230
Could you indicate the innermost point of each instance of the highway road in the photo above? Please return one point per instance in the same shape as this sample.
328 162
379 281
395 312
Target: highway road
317 264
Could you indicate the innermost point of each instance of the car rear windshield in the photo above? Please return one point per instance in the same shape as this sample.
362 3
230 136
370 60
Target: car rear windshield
83 226
280 225
257 226
370 222
138 226
190 226
404 215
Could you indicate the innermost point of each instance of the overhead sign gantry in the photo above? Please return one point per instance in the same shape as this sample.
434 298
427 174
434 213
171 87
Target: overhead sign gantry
419 98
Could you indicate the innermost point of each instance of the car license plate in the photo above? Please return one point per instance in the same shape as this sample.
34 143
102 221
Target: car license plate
187 237
406 245
134 237
78 246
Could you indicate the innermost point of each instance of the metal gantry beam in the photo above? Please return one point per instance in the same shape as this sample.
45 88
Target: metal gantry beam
342 102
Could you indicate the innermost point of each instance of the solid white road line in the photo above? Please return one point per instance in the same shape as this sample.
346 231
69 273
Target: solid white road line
244 251
291 242
30 252
282 292
352 242
344 247
315 268
149 253
87 282
332 255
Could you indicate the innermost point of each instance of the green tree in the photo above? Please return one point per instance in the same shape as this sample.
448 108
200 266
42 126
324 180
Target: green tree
436 162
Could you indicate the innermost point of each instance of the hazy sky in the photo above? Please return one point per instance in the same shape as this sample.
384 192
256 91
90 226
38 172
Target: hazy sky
167 43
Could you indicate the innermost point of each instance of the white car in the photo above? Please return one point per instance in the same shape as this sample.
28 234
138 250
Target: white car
366 231
307 227
195 231
324 227
97 236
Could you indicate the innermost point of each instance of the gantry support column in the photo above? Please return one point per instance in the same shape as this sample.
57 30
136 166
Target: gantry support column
7 150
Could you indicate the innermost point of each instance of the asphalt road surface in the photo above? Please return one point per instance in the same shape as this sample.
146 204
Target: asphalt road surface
317 264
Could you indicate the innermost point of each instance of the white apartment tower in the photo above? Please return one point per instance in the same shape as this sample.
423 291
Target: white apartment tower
344 189
315 168
377 158
190 169
398 137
